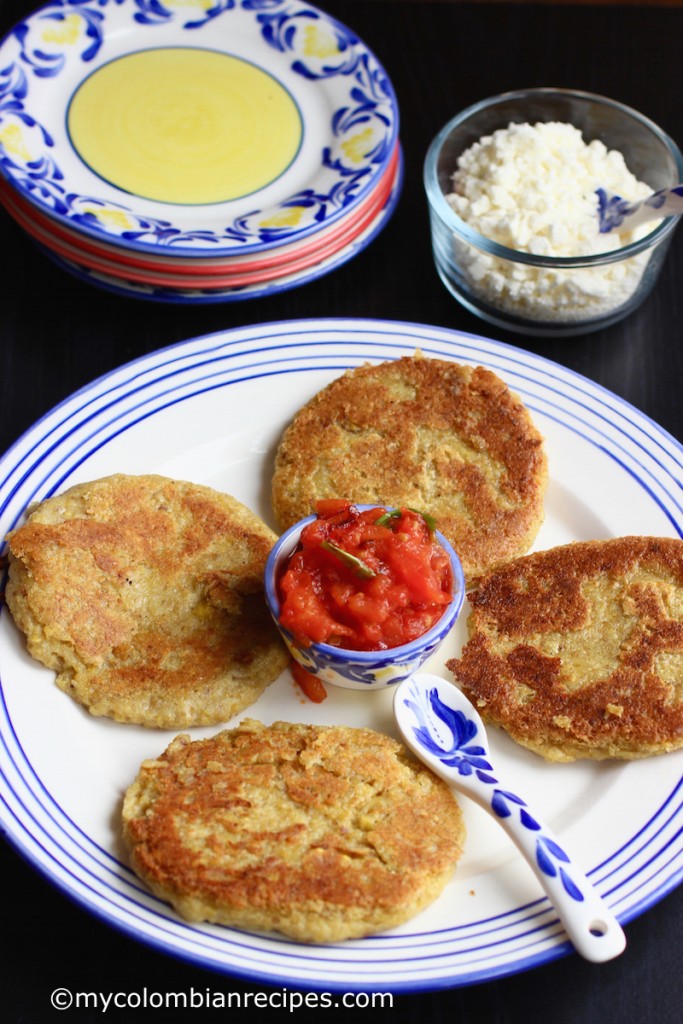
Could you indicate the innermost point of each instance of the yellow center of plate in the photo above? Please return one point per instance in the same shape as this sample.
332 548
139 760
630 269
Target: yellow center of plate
183 125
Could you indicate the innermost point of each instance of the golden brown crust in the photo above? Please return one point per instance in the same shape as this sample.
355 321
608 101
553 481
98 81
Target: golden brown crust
578 651
320 832
145 595
449 439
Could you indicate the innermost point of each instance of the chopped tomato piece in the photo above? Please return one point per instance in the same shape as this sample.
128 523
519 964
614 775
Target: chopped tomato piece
328 507
365 580
311 685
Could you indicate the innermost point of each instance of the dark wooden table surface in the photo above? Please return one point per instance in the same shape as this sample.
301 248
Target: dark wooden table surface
57 334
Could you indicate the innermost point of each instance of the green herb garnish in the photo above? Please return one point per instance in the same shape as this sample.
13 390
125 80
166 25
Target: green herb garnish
357 565
395 513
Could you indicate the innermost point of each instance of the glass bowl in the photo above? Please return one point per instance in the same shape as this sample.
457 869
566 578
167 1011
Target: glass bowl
361 670
549 295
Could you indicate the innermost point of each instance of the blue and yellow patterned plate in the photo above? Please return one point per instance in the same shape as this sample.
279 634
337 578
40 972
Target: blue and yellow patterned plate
191 126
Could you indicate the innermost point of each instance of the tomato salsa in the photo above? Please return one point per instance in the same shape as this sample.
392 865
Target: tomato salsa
365 580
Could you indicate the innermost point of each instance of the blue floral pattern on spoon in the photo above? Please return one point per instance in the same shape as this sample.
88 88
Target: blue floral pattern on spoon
443 729
617 214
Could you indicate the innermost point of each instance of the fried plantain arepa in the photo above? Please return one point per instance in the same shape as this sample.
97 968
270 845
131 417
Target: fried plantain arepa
444 438
577 651
322 833
145 595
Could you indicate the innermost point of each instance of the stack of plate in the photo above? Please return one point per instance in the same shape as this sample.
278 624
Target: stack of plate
195 152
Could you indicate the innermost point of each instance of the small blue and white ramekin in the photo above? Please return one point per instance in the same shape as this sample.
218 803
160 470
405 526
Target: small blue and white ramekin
361 670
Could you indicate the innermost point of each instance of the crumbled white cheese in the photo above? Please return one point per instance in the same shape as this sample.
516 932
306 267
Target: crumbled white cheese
533 188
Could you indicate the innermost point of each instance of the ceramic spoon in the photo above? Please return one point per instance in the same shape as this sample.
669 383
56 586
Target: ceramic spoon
443 729
617 213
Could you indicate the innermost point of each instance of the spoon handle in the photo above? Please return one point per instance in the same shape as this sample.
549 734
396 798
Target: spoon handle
440 725
615 213
594 931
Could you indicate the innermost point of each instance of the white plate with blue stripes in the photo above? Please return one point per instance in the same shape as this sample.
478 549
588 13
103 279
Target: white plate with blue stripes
212 410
